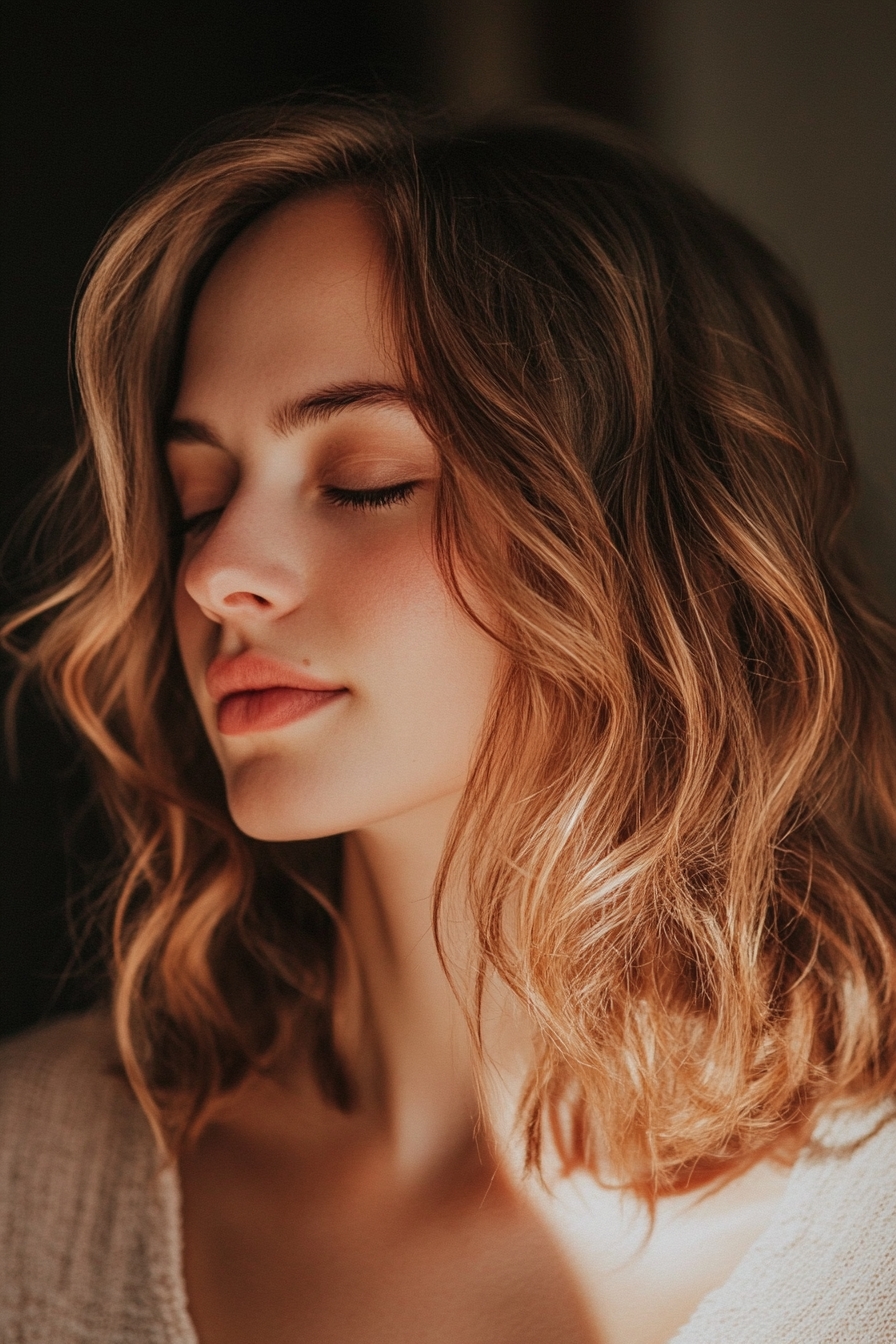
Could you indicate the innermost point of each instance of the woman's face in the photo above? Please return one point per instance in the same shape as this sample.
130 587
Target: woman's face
338 682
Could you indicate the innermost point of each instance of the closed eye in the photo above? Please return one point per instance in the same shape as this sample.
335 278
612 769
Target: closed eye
198 523
380 498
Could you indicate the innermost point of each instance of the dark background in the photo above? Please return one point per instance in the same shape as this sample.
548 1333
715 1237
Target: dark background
783 108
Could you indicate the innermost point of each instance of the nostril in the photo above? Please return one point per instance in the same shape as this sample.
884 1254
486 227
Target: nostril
246 599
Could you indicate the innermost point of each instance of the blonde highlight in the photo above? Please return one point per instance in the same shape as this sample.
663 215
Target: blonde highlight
683 811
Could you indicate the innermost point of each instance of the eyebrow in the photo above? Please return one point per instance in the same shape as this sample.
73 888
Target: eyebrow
301 411
329 401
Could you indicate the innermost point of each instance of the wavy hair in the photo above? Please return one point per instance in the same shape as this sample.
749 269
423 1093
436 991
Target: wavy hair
679 828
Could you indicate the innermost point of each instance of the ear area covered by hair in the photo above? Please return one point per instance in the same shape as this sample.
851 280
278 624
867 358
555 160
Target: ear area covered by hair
682 813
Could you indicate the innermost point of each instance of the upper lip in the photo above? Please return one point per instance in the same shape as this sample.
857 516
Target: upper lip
252 671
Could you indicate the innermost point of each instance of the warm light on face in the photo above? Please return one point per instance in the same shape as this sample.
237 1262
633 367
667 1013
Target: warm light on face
338 682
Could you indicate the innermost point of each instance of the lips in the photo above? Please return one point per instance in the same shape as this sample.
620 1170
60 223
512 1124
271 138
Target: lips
255 693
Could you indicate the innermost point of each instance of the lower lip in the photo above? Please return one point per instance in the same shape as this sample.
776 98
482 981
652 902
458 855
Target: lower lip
260 711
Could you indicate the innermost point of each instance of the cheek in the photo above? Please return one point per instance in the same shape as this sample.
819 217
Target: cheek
380 618
427 666
392 604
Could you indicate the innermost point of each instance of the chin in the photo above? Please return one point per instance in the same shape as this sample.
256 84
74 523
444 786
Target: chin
268 802
258 827
272 798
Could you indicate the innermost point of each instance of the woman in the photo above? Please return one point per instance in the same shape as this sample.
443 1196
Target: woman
456 614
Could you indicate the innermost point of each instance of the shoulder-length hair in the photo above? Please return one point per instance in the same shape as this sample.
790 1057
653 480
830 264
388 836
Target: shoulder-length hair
679 828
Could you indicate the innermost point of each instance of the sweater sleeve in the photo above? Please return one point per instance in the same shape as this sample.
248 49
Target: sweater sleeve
825 1270
89 1230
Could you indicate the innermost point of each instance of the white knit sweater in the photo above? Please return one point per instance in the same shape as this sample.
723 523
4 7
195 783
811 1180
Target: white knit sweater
90 1241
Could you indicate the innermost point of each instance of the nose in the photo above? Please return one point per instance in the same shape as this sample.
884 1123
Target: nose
247 566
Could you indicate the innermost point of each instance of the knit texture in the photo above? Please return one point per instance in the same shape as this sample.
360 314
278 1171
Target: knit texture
89 1218
824 1271
90 1237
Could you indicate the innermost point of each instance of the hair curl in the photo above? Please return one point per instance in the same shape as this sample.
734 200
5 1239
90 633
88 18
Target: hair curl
679 829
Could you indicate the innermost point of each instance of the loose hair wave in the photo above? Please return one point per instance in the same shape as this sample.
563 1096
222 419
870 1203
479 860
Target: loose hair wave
678 833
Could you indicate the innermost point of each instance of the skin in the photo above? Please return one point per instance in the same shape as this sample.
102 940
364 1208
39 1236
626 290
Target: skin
408 1219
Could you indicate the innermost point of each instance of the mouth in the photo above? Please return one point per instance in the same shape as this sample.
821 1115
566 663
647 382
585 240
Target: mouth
255 693
273 707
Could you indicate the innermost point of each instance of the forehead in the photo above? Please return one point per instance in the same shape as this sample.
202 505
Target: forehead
296 301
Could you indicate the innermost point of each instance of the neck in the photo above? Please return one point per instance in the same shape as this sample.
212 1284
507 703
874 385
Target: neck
425 1067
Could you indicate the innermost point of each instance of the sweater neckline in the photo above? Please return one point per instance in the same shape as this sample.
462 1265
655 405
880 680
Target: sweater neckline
839 1130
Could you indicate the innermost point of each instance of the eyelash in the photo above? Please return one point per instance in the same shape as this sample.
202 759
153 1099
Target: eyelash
380 498
184 526
370 499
